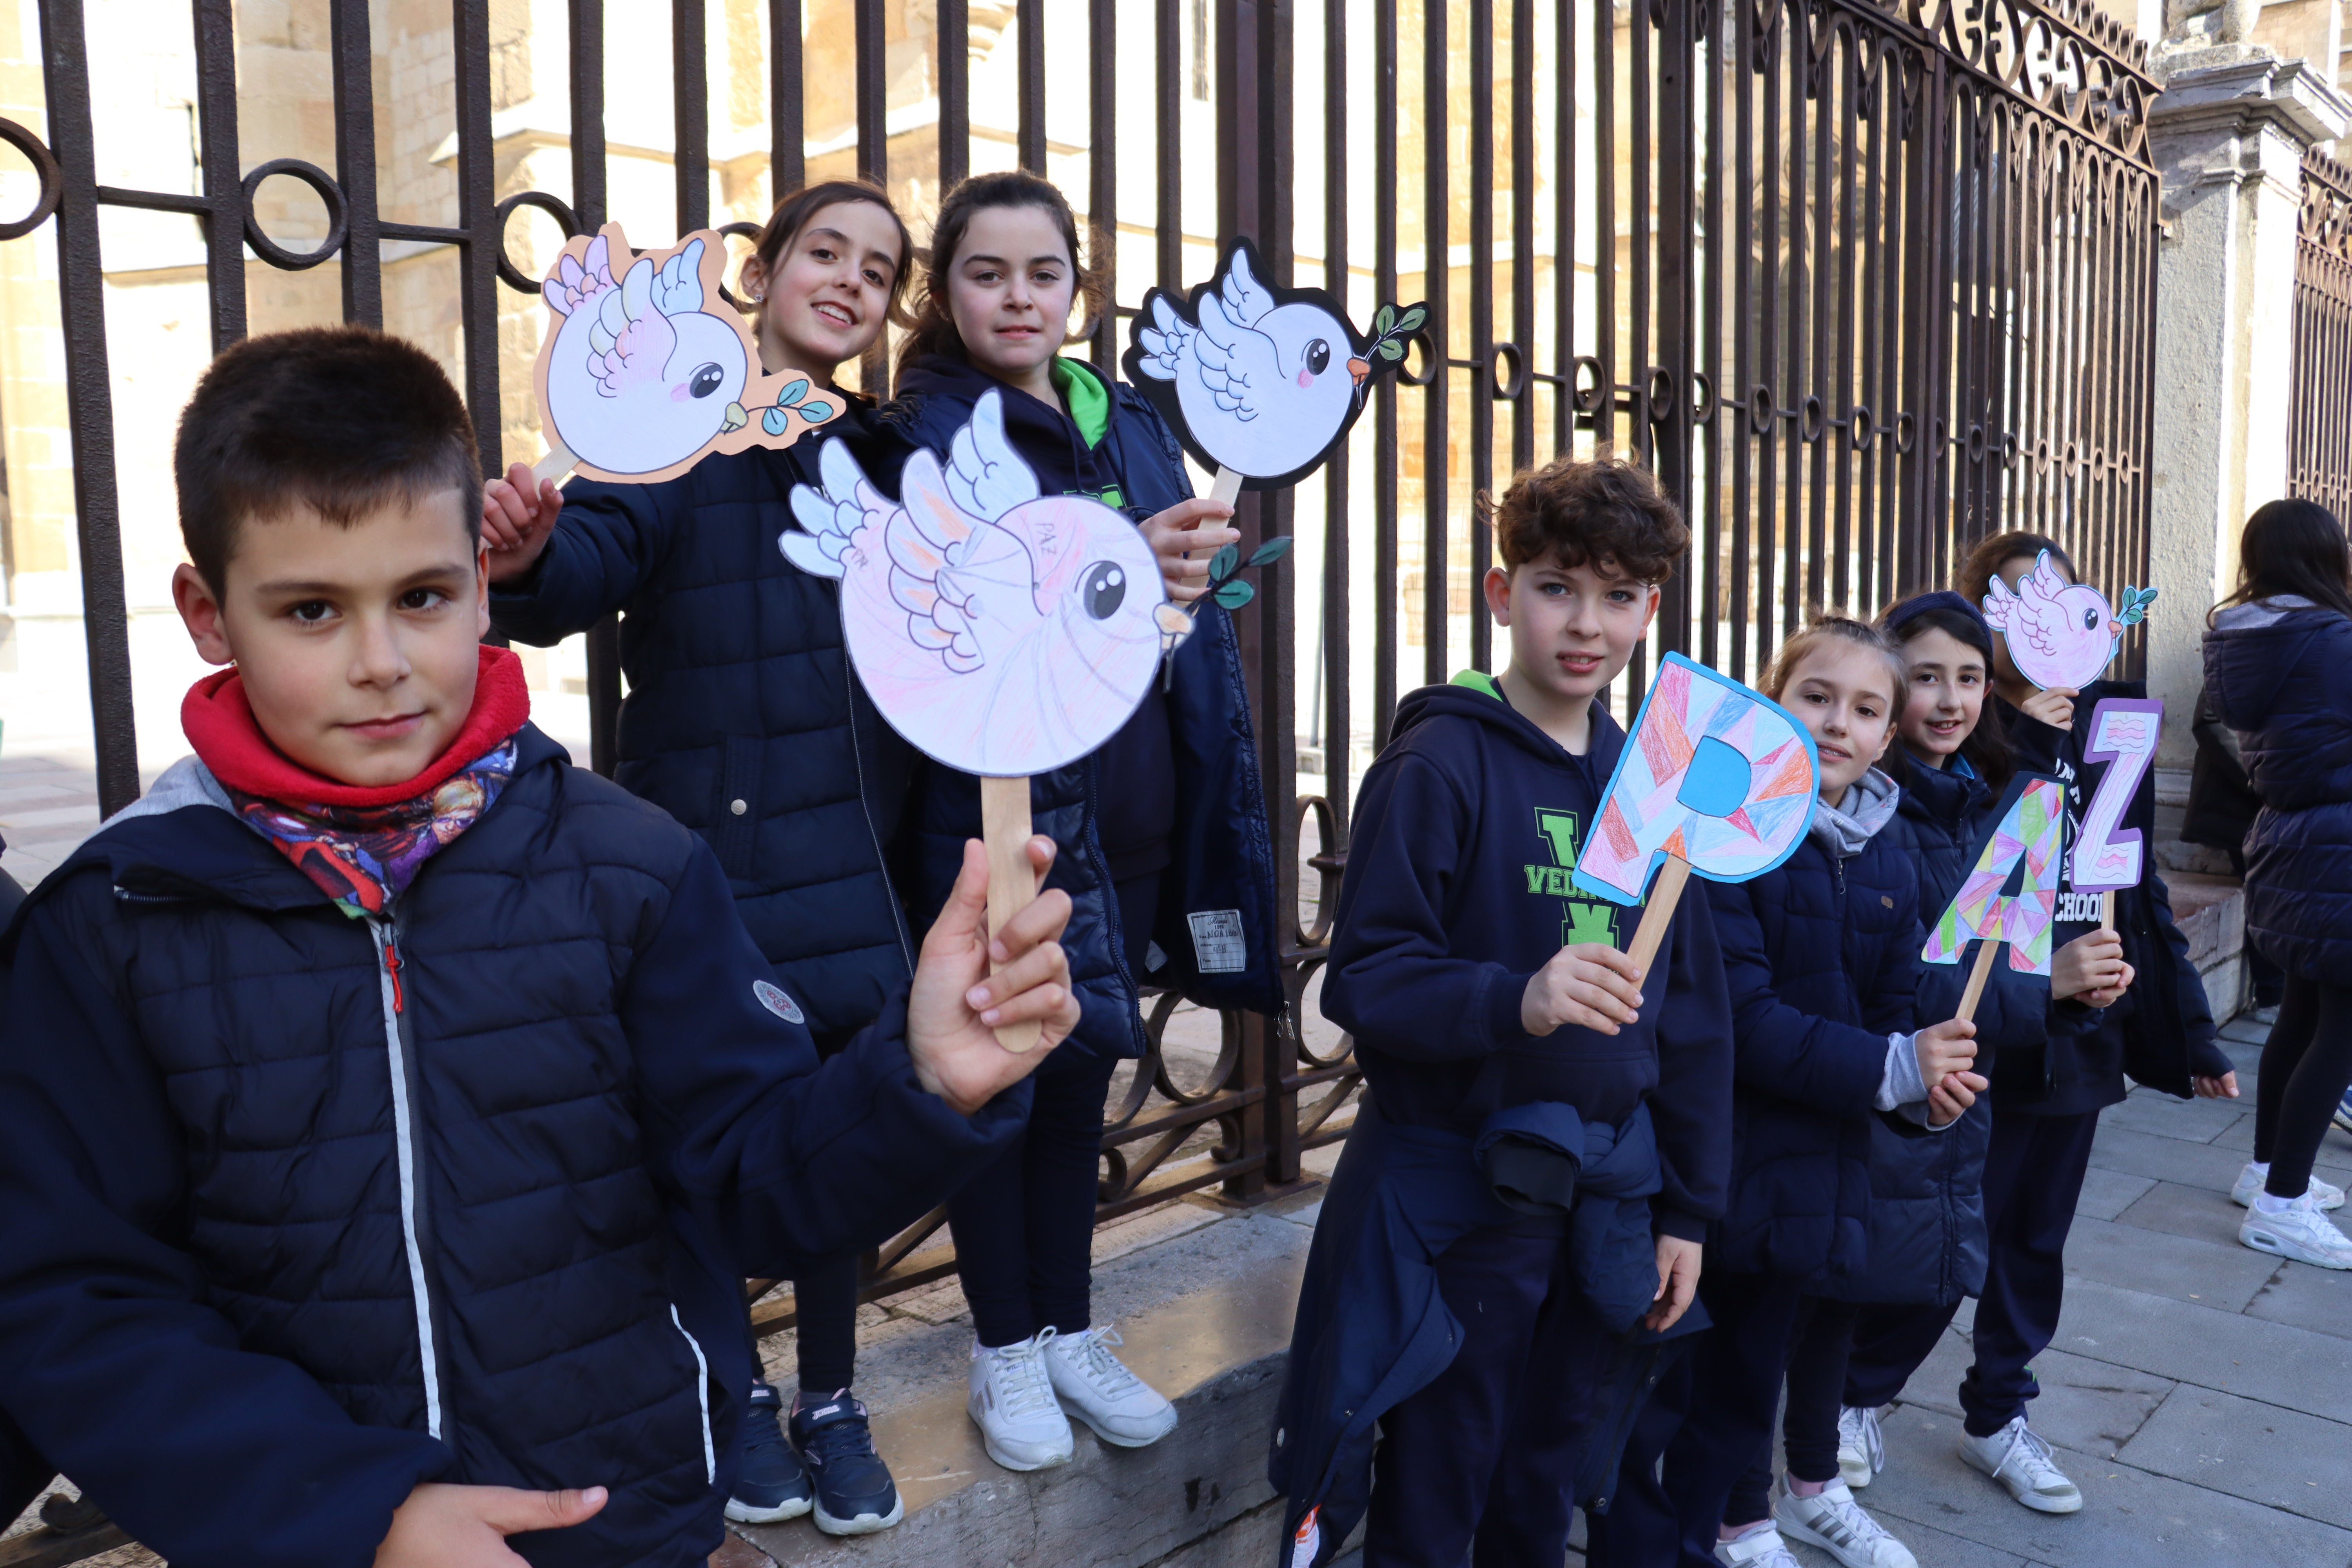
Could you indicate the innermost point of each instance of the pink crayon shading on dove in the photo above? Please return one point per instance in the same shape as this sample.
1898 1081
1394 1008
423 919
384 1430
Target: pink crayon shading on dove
2061 633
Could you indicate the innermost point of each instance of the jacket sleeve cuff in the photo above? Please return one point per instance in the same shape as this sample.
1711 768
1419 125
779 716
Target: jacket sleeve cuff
1680 1223
1507 993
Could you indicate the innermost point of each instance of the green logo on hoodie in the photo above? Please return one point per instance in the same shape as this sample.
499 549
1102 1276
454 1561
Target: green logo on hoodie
1580 919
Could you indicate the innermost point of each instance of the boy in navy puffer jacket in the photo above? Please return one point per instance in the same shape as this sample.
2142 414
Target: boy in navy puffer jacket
1823 958
1543 1145
388 1110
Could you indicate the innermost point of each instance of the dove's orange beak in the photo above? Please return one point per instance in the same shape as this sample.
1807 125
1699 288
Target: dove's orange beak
1359 368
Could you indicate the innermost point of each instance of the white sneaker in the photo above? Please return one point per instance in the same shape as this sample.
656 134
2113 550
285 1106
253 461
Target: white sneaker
2021 1462
1833 1522
1862 1449
1759 1548
1095 1386
2250 1187
2300 1231
1012 1404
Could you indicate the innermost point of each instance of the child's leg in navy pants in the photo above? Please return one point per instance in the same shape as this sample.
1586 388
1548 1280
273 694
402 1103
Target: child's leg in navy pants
1889 1344
1488 1451
1809 1424
2033 1174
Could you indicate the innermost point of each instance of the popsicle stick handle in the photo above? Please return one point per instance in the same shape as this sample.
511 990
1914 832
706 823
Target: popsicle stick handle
1228 486
2107 909
1012 880
1978 975
1658 912
558 463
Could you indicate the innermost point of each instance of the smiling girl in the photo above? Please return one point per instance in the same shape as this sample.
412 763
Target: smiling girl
1163 836
744 721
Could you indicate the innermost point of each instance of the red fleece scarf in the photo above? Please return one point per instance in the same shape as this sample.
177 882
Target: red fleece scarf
361 845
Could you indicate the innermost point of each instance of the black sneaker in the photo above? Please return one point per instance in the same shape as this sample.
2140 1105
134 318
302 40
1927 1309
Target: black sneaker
773 1487
855 1495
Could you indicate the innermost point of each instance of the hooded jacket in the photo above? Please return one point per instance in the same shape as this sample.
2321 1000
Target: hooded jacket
1458 891
299 1210
2160 1032
2276 671
1191 747
743 719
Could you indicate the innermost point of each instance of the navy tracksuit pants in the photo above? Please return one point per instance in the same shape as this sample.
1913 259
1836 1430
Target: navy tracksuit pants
1478 1466
2033 1174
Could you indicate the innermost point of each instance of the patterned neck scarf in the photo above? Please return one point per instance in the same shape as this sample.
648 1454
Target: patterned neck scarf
364 857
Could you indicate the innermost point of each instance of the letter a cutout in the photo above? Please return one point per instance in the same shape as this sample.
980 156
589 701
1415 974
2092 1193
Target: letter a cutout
2024 849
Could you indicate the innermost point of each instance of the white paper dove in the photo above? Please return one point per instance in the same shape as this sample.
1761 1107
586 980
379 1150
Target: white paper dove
647 369
1001 631
1258 381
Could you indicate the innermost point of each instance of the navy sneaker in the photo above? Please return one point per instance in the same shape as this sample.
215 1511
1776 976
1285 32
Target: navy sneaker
855 1495
2344 1111
773 1487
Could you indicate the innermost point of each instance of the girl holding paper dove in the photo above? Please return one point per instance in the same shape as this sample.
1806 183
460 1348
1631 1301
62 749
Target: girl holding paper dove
2275 652
744 722
1165 848
1823 957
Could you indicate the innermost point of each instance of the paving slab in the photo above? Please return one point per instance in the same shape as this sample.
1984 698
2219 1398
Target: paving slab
2182 1210
2193 1121
2106 1194
2319 1300
2091 1406
2188 1269
2191 1342
2199 1165
2131 1517
1934 1548
2248 1449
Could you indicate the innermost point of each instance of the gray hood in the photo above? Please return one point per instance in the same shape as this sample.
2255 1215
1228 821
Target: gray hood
1847 827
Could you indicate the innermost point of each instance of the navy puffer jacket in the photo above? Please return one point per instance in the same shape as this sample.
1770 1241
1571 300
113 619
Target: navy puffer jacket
743 719
2277 671
1216 932
286 1228
1823 958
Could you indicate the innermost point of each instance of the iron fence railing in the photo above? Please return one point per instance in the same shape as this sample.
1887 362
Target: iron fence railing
1863 282
2319 440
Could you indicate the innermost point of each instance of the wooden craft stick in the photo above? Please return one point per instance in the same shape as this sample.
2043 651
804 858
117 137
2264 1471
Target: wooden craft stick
1228 486
2107 909
558 463
1977 978
1012 879
1658 911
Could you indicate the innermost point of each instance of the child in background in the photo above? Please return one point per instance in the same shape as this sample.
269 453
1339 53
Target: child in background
1506 1042
743 721
2276 657
389 1111
1164 844
1822 956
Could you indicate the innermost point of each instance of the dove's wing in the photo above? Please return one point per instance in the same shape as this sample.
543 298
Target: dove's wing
985 477
630 340
1237 362
1245 299
924 538
1164 344
832 518
677 289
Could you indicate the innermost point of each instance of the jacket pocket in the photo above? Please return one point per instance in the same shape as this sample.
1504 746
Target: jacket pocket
735 810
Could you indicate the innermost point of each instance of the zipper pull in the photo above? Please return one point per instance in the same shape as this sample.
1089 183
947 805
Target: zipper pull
391 968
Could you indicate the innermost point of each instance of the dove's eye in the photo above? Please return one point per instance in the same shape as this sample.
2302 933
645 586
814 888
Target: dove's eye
1318 357
704 381
2091 619
1105 586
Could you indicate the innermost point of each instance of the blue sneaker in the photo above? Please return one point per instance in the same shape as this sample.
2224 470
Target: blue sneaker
2344 1111
854 1494
773 1487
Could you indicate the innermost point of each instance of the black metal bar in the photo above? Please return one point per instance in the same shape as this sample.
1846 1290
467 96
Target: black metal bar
590 204
955 92
478 253
223 176
1437 280
1029 68
787 136
1482 317
1339 623
1102 173
873 58
1167 154
690 96
1386 650
348 41
1523 226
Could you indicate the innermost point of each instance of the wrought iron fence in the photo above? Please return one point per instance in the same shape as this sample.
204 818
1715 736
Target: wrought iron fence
1863 282
2319 442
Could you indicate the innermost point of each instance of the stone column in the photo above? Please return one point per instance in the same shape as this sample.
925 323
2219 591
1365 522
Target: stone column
2227 135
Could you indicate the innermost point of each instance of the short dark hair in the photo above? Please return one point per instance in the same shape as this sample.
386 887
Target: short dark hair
340 419
1602 512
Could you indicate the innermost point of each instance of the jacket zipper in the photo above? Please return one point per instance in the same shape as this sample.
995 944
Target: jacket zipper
386 934
702 1391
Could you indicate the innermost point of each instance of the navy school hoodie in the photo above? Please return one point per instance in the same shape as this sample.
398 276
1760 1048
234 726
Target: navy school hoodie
1457 892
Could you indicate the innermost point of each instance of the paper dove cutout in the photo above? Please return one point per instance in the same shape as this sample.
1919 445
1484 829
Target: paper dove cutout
1001 631
645 370
2060 633
1258 380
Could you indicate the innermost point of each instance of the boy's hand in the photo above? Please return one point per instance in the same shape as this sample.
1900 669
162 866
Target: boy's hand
1591 986
2108 996
1949 1099
466 1527
2054 707
1950 1047
1678 1263
518 516
2222 1088
2090 964
955 1005
1186 529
